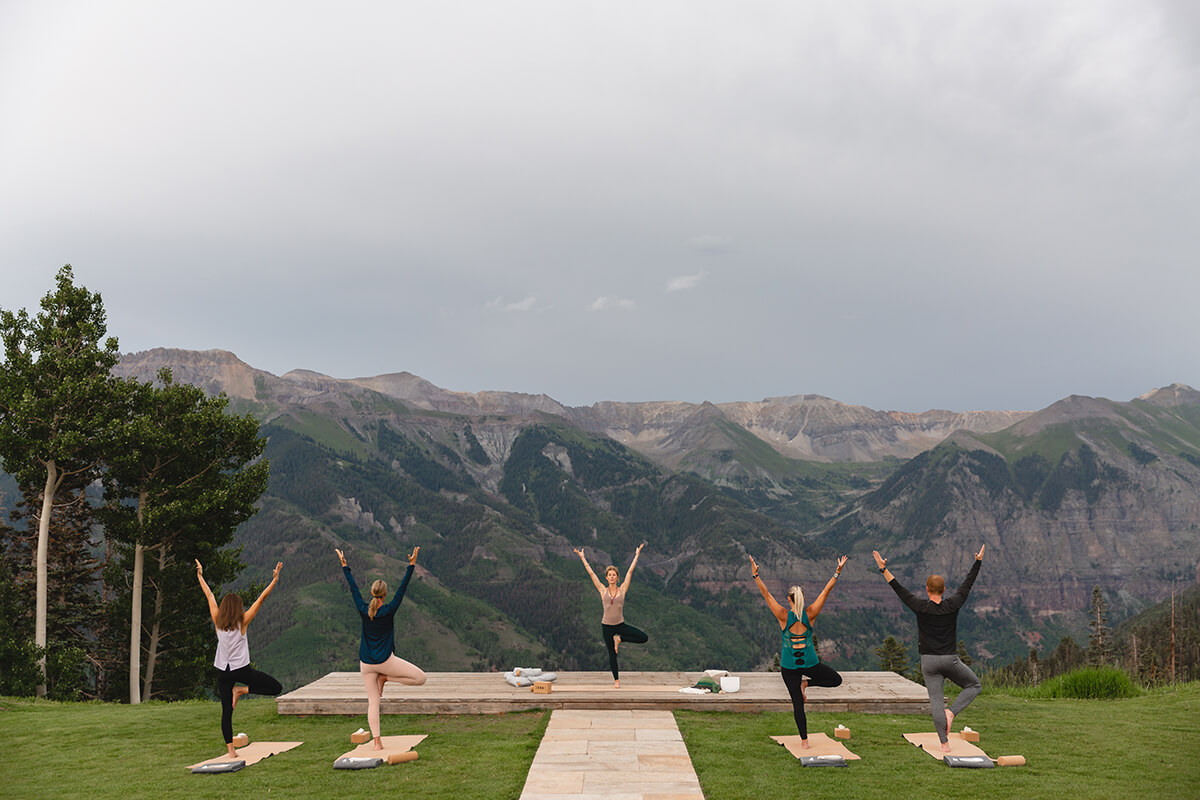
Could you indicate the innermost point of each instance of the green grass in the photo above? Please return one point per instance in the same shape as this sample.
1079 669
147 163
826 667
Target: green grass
100 751
323 430
1145 746
1140 747
1093 683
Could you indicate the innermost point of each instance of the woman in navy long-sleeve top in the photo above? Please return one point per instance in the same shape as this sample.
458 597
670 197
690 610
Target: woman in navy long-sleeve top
377 663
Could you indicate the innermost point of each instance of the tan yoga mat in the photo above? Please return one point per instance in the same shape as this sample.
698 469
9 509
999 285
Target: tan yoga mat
391 744
603 687
819 745
958 746
252 753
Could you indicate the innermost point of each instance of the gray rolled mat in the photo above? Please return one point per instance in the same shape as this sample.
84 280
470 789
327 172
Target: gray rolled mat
358 763
822 761
219 766
971 762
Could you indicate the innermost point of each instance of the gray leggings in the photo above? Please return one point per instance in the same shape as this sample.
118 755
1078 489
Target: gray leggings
936 669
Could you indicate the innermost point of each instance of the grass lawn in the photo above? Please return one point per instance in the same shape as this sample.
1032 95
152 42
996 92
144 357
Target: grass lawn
1146 748
98 751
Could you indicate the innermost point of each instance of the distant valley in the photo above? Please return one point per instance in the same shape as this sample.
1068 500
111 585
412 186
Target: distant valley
496 488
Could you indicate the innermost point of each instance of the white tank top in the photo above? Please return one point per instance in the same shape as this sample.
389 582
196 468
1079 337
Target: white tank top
232 650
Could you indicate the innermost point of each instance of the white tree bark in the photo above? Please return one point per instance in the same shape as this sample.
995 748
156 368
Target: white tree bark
43 548
156 628
135 612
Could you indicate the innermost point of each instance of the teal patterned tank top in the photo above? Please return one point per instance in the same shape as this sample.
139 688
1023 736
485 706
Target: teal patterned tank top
797 648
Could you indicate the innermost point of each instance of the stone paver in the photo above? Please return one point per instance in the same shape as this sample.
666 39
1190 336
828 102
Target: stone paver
612 755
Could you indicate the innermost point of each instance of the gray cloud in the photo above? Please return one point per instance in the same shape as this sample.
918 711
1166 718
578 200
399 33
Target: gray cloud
937 204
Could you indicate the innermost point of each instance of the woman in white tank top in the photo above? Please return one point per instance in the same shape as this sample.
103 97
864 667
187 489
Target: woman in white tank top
233 653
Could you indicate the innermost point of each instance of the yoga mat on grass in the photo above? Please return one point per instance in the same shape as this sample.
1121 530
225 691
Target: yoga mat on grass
819 745
929 743
605 687
252 753
391 744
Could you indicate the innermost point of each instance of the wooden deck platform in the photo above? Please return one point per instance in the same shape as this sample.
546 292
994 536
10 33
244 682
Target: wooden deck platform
487 693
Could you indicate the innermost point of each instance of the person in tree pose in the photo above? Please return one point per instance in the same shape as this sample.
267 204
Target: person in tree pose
799 662
233 653
613 625
377 663
937 642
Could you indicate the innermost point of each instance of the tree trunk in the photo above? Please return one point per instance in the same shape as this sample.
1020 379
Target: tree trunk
152 648
135 612
43 548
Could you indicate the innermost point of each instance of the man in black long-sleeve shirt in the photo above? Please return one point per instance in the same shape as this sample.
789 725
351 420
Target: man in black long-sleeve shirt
937 642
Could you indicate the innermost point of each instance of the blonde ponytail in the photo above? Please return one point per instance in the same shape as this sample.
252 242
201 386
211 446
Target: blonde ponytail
378 592
796 599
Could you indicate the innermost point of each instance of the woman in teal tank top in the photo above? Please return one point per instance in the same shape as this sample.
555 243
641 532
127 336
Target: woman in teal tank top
799 663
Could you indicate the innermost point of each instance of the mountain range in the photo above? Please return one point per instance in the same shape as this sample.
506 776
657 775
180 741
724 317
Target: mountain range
497 488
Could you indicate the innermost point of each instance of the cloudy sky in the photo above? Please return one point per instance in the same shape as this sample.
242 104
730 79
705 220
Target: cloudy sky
901 205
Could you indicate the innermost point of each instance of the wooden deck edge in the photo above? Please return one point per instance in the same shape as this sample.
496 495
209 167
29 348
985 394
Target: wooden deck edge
358 708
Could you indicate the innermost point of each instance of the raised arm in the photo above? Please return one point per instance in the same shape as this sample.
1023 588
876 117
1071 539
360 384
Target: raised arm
815 607
252 611
632 564
881 562
904 594
212 601
595 581
779 611
964 588
398 595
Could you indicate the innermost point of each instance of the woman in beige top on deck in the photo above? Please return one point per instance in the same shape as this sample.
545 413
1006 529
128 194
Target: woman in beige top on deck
613 625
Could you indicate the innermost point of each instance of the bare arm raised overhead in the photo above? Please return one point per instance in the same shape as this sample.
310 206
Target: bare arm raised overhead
779 611
815 607
595 581
212 601
629 572
252 611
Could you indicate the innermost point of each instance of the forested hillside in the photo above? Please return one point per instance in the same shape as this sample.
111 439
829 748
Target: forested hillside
497 489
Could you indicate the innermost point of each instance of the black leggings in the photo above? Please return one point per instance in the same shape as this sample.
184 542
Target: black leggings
259 683
819 674
628 634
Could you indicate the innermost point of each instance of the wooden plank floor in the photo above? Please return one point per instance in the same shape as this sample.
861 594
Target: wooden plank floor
487 693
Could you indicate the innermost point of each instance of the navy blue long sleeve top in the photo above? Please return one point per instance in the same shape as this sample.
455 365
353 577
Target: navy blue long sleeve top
937 623
378 635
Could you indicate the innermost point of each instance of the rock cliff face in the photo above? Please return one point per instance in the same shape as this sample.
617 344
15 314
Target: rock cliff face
1086 491
808 427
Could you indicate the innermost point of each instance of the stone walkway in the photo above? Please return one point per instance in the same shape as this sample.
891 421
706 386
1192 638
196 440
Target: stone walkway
612 755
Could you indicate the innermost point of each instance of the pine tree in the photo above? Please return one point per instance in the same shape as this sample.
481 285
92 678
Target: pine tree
1066 656
893 656
1099 651
19 671
962 653
75 614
